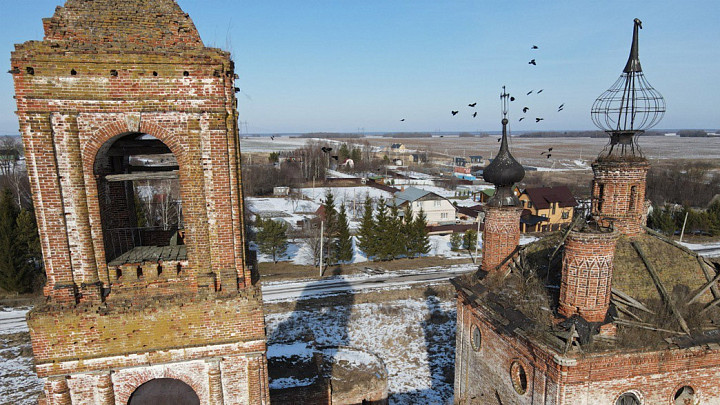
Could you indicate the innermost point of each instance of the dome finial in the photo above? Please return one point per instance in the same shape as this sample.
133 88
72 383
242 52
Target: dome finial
630 106
504 171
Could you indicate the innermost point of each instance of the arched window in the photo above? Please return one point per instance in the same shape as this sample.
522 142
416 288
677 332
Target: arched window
139 197
601 196
518 377
164 391
685 395
633 198
628 398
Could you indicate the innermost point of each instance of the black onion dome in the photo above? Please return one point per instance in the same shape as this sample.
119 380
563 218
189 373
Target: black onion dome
504 170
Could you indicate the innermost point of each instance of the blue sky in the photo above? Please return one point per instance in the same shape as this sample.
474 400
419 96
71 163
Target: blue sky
344 65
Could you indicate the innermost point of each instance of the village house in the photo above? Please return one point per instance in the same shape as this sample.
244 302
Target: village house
546 208
438 209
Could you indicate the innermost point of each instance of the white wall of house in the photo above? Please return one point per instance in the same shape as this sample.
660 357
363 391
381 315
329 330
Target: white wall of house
436 211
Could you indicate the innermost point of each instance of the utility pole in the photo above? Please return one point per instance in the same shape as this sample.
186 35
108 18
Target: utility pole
683 228
322 223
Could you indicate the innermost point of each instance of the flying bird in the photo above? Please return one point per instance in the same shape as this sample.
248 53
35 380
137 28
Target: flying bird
540 91
534 47
499 139
525 109
334 157
402 119
521 119
472 105
475 114
542 153
532 62
548 156
272 137
562 106
539 119
529 93
549 149
512 98
453 112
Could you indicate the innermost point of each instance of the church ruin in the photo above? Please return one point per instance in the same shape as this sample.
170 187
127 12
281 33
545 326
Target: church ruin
129 127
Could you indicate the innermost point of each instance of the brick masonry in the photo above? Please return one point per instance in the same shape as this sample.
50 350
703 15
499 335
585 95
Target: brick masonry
587 270
618 194
556 379
106 69
501 235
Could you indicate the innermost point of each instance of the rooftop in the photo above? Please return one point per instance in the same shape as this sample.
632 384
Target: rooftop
526 300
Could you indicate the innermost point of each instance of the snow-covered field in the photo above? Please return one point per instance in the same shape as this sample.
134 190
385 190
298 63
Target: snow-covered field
300 252
18 383
414 337
345 195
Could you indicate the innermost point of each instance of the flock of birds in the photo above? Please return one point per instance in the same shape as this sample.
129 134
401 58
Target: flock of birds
532 62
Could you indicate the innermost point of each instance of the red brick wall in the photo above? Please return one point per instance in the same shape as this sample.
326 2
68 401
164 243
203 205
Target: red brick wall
107 69
587 269
574 378
612 191
501 235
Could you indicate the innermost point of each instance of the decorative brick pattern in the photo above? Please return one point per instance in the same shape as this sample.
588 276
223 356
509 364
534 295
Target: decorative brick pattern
106 69
587 268
501 235
618 194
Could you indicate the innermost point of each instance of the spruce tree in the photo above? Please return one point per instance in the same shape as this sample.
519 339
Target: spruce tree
272 238
366 233
12 278
343 244
408 232
330 227
382 227
395 237
421 240
456 241
28 245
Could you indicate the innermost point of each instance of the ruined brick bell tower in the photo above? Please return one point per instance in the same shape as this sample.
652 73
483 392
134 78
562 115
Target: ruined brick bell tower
129 127
501 234
624 111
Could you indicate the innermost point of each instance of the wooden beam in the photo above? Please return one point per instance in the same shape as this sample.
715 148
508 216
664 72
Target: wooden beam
707 286
630 301
646 326
142 176
661 288
626 311
708 271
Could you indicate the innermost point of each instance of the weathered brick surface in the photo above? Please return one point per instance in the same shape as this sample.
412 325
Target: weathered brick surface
618 194
586 379
105 69
587 270
501 235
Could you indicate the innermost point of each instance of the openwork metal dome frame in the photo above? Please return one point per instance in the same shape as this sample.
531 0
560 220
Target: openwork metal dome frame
629 107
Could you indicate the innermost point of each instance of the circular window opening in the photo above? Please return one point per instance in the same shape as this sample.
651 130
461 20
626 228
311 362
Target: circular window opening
685 396
628 398
519 377
475 338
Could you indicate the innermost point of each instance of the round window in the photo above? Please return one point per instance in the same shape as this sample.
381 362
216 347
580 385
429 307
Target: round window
519 378
475 338
628 398
685 396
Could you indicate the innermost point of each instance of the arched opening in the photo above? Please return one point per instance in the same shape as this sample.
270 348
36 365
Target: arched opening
685 396
139 197
628 398
164 391
633 198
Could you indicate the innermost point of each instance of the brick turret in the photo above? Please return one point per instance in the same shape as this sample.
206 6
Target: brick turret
587 270
502 212
501 236
618 194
